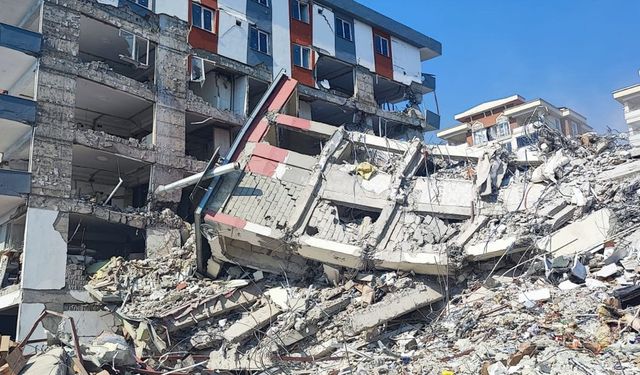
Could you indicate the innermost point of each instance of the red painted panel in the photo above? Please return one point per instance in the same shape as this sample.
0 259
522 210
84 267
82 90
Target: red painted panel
262 166
384 64
283 95
302 34
266 151
294 122
202 39
259 131
221 218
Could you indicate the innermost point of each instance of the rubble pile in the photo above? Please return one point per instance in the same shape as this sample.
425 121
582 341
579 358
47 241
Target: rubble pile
542 279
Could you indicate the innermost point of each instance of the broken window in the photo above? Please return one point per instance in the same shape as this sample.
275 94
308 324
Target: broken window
137 48
197 69
302 56
259 40
343 29
527 140
480 137
144 3
202 17
381 45
300 11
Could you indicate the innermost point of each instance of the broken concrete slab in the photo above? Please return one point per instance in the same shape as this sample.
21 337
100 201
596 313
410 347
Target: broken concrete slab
470 228
491 249
562 217
427 260
217 306
251 323
587 234
620 172
392 308
53 361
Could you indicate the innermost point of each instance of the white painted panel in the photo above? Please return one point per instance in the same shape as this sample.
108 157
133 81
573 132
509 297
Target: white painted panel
241 95
324 36
179 9
363 35
407 67
45 252
28 313
280 37
233 39
216 90
90 324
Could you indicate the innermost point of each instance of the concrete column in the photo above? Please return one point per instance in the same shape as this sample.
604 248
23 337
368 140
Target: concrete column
171 93
363 89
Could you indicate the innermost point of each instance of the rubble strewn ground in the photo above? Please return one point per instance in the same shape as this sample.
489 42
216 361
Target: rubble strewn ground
539 288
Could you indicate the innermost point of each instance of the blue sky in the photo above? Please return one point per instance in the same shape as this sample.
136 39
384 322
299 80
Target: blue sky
572 53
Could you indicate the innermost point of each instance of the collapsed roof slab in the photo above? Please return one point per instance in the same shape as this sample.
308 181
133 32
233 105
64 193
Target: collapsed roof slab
587 234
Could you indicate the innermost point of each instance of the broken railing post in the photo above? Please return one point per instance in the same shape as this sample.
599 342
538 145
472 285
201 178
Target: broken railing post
218 171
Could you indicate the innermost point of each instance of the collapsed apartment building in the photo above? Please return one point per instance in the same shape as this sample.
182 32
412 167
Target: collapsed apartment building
103 102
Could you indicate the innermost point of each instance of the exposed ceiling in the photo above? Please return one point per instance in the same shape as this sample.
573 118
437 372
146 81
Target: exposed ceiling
104 168
15 11
15 65
11 132
9 203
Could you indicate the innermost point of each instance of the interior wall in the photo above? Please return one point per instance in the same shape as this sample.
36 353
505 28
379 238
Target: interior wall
45 250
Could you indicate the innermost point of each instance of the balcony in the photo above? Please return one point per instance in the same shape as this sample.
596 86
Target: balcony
14 183
429 81
21 40
432 121
17 109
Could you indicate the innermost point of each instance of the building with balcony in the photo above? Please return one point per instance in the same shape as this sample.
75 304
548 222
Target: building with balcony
102 101
629 97
512 122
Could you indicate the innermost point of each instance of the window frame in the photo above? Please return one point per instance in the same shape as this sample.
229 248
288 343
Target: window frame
199 66
343 22
298 6
484 140
575 128
258 32
134 47
377 38
203 9
264 3
150 2
302 50
507 129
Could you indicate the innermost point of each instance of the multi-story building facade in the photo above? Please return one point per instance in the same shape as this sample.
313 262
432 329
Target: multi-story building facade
629 97
512 122
102 101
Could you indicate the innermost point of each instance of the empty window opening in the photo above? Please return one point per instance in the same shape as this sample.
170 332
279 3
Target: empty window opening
257 89
25 14
204 135
302 56
299 141
108 179
202 18
120 50
340 222
101 108
389 94
330 113
335 76
18 76
344 29
381 45
219 88
259 40
9 322
300 10
93 242
356 153
11 247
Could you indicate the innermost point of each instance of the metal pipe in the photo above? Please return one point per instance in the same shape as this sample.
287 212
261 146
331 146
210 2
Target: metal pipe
219 171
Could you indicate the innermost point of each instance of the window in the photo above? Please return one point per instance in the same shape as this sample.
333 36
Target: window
259 40
381 45
137 48
144 3
343 29
302 56
197 69
263 2
502 129
574 128
527 140
480 137
202 17
300 11
556 124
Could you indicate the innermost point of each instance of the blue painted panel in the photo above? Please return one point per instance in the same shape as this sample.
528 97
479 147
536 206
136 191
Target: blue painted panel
20 39
260 17
14 183
432 120
17 109
345 49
